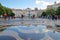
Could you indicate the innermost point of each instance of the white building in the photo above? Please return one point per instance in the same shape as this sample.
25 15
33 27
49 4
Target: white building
54 6
27 12
17 12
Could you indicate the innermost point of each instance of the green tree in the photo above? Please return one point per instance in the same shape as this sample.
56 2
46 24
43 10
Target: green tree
43 14
9 12
50 11
2 10
58 11
6 10
12 14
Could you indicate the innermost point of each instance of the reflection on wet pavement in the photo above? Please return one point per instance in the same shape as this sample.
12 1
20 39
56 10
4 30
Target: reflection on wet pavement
33 33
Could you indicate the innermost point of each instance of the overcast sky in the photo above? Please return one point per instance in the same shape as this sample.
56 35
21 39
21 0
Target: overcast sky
23 4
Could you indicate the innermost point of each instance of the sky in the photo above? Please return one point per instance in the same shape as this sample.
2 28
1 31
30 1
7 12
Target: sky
23 4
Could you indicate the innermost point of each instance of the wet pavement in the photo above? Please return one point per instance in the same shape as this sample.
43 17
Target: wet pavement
30 29
27 21
39 32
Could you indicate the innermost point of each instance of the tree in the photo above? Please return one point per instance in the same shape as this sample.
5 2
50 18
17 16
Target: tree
43 14
12 14
5 10
50 11
2 10
58 11
9 12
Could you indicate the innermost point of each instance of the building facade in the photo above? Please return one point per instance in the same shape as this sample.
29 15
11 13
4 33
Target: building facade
27 12
18 12
54 6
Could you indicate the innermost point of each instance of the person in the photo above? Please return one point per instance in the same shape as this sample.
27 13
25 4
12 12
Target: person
5 16
53 17
22 18
33 16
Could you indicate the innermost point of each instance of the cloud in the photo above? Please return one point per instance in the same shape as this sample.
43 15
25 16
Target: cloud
58 1
37 1
42 4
